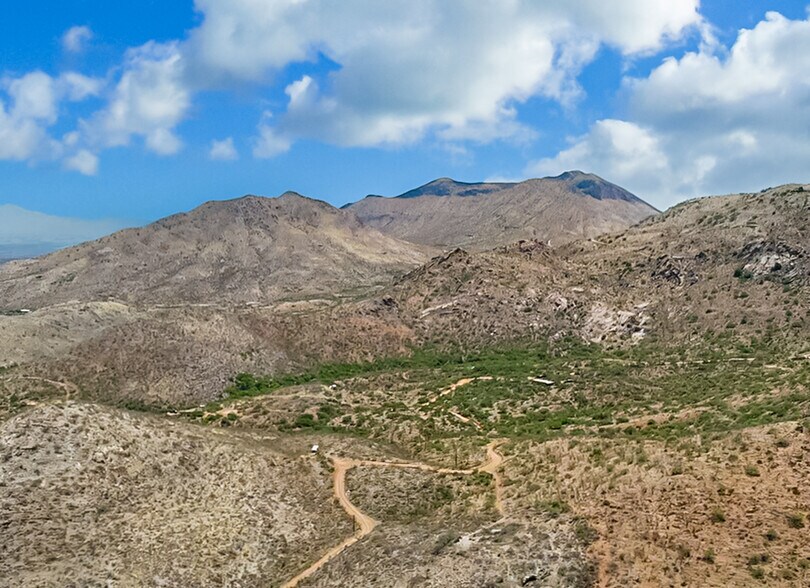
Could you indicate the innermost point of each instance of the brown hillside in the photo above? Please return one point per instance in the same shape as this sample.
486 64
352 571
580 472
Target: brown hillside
734 266
251 249
448 214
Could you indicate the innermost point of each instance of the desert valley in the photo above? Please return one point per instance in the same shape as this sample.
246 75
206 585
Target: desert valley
405 294
580 390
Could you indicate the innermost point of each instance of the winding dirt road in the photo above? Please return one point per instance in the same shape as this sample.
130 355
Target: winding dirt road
364 524
68 387
492 466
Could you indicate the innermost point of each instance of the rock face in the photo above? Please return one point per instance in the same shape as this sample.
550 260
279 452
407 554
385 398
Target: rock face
446 213
236 251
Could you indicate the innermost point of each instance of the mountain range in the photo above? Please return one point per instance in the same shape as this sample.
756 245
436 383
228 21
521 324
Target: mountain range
495 384
256 249
251 249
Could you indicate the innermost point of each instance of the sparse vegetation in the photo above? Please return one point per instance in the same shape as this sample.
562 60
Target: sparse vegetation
647 390
795 520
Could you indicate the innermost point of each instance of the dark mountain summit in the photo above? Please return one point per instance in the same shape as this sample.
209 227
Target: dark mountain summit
450 187
595 187
447 213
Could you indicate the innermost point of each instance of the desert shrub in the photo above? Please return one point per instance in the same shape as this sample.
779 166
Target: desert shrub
584 532
553 507
795 520
760 558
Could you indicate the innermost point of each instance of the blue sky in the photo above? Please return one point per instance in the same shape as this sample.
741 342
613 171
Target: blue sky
136 110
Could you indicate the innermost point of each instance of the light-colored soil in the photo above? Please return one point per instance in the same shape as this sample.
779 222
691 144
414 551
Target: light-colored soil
492 466
453 387
443 531
91 496
691 513
364 524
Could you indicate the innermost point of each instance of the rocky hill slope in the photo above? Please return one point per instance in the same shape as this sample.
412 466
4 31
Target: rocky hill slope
647 391
92 495
738 265
446 213
251 249
734 267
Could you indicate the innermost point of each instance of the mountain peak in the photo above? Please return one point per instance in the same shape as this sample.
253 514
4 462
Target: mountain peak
251 204
450 187
292 195
588 184
448 213
571 174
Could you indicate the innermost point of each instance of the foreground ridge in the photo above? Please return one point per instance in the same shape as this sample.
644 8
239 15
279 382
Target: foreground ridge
365 524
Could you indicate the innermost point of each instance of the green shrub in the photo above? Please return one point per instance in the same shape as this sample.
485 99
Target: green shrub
795 520
757 572
304 421
584 532
760 558
553 507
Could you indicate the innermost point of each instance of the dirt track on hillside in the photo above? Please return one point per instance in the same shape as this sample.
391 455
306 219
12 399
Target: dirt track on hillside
364 524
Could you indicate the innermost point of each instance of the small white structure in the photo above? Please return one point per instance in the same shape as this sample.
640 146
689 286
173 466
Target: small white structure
25 310
314 449
542 381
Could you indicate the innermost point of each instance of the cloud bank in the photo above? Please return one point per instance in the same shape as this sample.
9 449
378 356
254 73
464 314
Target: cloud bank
409 69
404 70
451 72
714 121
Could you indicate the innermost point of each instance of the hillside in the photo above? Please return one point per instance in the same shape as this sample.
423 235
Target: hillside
446 213
735 266
627 409
92 495
251 249
699 270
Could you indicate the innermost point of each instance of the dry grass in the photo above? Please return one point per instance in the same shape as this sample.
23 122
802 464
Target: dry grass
90 496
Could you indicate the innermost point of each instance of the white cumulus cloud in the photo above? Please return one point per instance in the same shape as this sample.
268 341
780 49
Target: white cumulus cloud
32 107
715 121
83 162
150 99
223 150
76 38
269 143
